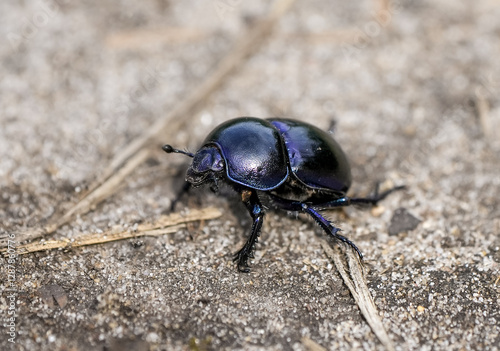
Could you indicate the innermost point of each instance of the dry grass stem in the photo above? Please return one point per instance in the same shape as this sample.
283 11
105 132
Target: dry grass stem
483 111
356 283
164 225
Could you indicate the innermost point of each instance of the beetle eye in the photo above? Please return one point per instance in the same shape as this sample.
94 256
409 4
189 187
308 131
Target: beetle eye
218 166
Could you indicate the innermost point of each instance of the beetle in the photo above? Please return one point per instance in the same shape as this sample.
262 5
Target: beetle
294 164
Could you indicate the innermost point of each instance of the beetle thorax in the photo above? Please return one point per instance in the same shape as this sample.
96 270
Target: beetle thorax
207 164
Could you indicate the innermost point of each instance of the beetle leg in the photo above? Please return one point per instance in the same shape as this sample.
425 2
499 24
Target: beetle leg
346 201
254 207
322 221
215 185
329 228
185 188
340 202
376 197
284 204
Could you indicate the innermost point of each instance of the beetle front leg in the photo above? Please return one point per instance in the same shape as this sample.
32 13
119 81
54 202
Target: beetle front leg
254 207
185 188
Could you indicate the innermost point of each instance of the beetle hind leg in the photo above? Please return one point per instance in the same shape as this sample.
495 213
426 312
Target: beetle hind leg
254 207
347 201
376 197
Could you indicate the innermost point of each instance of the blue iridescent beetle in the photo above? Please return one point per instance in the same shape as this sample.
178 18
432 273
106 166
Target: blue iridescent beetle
298 166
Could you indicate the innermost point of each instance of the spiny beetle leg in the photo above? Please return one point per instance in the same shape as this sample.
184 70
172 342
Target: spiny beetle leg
254 207
322 221
329 228
185 188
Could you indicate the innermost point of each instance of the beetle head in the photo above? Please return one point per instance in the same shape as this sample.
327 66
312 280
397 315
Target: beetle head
208 164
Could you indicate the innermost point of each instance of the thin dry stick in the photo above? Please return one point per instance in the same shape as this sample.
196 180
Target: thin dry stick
311 345
164 225
483 110
359 290
137 152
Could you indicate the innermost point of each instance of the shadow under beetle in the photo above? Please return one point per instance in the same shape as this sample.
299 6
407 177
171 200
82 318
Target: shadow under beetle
297 165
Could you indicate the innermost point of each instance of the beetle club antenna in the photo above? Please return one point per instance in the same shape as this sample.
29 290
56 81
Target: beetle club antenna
169 149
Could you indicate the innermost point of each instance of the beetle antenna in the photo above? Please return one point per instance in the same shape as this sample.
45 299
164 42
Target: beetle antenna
169 149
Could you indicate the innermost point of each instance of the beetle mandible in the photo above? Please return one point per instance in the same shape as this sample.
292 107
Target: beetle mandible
298 166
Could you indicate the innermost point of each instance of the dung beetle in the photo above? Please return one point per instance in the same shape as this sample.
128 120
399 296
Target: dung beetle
295 165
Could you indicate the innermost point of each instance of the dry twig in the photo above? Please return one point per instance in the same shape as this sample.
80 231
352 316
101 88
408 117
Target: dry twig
357 285
311 345
483 111
164 225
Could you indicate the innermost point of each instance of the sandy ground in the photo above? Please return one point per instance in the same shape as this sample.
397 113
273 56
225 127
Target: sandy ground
413 89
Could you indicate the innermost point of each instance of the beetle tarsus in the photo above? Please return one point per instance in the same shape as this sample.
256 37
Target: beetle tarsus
329 228
242 258
342 238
